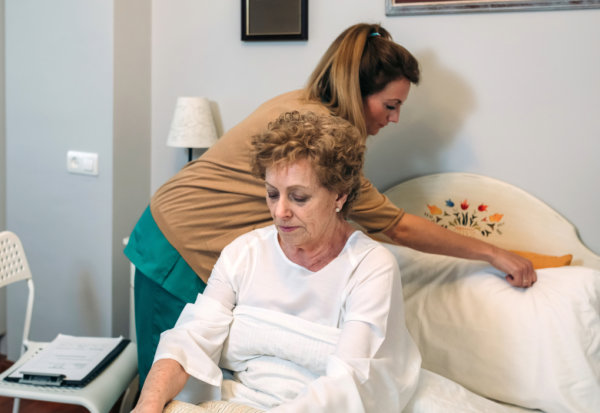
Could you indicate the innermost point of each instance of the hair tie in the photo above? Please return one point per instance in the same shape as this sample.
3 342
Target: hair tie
374 34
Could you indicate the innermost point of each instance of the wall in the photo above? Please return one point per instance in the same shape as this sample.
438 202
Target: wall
3 348
69 87
131 140
2 124
510 95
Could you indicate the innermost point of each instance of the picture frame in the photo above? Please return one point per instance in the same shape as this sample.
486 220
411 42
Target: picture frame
415 7
268 20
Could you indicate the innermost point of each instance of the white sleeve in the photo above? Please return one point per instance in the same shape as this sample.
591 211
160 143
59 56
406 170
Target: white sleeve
197 338
376 365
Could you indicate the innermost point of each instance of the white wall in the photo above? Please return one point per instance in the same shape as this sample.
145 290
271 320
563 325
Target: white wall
510 95
3 347
70 86
131 140
59 97
2 125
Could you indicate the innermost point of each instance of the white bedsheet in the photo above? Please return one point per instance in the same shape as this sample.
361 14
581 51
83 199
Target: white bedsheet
437 394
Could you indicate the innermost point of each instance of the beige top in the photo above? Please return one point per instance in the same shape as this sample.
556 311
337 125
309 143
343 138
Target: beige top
215 198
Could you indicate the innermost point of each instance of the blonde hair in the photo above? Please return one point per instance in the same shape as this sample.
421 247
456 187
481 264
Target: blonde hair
331 144
361 61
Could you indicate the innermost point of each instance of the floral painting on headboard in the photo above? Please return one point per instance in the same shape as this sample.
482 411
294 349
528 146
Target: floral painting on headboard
465 218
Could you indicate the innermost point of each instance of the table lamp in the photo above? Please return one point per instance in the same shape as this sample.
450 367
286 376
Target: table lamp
192 125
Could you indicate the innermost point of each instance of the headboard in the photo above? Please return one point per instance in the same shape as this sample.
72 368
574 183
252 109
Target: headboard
493 211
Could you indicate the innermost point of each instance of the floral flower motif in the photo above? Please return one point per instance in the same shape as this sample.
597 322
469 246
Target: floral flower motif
466 220
434 210
496 217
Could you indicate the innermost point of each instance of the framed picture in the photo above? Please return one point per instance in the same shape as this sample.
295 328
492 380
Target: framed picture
274 20
412 7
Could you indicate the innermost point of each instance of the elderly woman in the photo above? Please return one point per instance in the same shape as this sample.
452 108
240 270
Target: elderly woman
305 314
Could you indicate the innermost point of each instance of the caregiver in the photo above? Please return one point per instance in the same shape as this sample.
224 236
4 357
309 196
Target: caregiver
365 78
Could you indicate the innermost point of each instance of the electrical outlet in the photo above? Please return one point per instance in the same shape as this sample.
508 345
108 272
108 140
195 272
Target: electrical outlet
85 163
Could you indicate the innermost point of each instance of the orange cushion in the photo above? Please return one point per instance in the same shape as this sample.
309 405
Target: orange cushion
545 261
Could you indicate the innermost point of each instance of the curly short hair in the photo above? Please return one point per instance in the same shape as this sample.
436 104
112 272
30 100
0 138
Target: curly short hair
334 148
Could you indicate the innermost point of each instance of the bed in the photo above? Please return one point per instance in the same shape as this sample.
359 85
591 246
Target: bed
487 346
535 348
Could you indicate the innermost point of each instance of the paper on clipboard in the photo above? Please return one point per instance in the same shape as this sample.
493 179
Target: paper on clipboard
71 356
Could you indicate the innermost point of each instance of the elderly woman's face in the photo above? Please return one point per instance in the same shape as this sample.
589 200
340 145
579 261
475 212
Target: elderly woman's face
383 107
302 209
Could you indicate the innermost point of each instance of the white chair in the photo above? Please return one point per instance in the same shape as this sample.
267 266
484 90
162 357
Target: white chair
98 396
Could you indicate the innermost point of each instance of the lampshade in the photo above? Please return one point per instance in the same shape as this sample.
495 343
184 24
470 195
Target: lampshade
192 125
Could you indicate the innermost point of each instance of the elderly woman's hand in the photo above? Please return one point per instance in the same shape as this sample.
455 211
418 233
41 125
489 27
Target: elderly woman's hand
519 271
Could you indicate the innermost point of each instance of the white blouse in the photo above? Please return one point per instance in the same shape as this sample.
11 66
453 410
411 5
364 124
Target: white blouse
295 340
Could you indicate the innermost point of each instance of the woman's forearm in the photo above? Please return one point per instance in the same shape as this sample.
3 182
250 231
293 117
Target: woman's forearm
420 234
423 235
165 380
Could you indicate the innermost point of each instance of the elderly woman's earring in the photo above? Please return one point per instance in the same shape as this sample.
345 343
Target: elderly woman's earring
337 210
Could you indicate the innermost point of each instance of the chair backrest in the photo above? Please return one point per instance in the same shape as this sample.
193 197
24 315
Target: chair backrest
13 264
13 268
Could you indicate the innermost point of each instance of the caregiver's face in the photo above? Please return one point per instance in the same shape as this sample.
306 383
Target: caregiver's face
383 107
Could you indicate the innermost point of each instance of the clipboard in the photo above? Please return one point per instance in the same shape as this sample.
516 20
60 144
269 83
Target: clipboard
69 361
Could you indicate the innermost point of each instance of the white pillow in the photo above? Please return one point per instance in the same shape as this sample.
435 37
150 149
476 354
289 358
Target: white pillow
538 348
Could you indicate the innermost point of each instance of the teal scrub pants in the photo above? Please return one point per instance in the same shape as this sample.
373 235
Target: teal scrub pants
156 310
164 284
